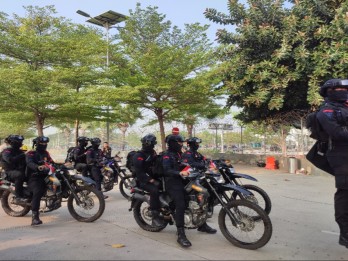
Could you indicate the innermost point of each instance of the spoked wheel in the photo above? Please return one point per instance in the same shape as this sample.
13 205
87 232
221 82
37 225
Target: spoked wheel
12 209
246 232
92 204
259 197
143 217
125 185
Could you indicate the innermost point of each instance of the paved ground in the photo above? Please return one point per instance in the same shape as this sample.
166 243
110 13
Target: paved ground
302 217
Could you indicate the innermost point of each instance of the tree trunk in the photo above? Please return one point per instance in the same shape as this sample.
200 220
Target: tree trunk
40 120
77 125
189 130
123 126
160 117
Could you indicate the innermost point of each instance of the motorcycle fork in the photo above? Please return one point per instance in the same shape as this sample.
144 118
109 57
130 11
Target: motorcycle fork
234 220
72 190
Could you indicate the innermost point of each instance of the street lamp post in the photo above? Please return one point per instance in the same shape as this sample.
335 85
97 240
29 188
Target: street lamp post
106 20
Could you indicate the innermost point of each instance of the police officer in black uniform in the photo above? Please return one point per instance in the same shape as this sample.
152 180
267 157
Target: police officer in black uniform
143 161
333 118
173 171
192 156
37 172
13 162
80 156
94 158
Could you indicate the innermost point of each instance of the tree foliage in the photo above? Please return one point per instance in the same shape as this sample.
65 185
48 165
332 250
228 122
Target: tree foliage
277 57
170 66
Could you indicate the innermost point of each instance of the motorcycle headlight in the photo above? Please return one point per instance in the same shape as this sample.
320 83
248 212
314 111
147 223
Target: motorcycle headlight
72 171
231 170
220 179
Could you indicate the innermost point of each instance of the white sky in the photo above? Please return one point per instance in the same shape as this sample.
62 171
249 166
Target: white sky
179 12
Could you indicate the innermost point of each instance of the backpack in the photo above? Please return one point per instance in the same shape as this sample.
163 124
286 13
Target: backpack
70 155
157 167
314 126
129 160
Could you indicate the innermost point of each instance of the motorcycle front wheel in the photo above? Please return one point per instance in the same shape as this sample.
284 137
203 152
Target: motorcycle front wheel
247 232
125 186
142 215
12 209
92 204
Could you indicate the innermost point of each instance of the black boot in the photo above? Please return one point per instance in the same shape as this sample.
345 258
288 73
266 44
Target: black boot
182 239
157 221
35 220
343 240
207 229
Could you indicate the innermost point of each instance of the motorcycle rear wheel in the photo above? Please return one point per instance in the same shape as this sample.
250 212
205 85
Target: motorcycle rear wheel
141 213
250 234
10 208
92 207
125 186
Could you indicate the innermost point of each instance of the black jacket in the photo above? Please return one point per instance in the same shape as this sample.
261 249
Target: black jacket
94 157
172 165
194 159
143 163
79 154
34 159
12 159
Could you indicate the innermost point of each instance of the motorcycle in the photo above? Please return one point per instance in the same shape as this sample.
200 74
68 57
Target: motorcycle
112 171
257 196
243 223
84 202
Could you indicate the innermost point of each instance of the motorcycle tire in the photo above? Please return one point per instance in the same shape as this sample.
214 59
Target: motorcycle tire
12 209
125 186
141 213
250 233
259 197
93 204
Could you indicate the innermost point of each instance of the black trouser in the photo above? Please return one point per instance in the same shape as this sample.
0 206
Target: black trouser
37 186
338 160
18 177
154 195
83 168
178 194
341 210
96 176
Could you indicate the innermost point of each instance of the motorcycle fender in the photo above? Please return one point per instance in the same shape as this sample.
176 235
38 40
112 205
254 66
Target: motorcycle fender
238 188
85 180
245 176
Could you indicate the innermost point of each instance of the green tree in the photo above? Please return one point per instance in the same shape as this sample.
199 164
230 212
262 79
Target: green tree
168 64
45 62
272 63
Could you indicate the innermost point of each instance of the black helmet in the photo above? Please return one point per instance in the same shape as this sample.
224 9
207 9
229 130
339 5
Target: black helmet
333 83
95 141
82 139
177 138
15 139
193 140
148 140
42 139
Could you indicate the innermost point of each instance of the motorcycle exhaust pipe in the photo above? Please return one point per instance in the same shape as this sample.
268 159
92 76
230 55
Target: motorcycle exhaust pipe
141 197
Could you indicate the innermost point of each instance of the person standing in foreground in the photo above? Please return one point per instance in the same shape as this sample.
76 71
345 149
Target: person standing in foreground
37 172
333 118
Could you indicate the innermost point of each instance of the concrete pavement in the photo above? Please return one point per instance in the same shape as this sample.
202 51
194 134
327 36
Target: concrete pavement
302 215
